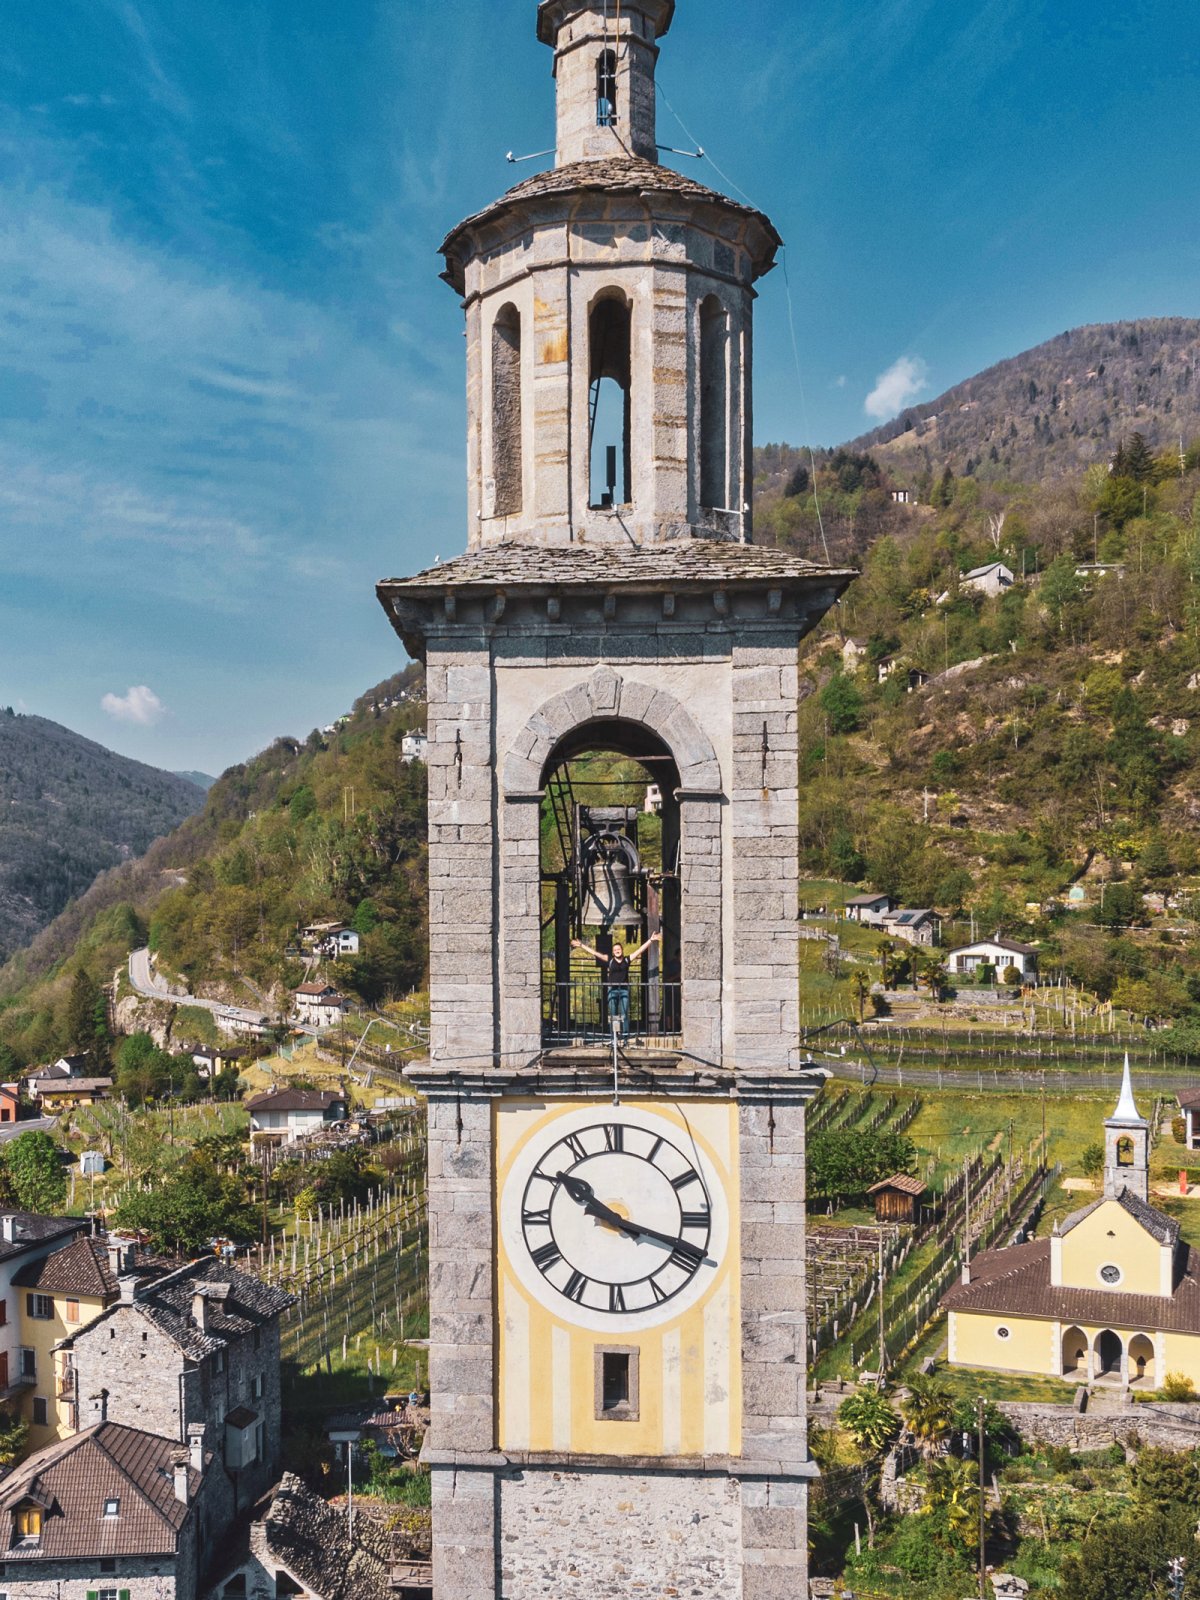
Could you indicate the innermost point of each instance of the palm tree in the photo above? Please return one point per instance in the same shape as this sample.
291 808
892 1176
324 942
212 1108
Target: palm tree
952 1491
861 986
934 976
887 961
928 1411
870 1419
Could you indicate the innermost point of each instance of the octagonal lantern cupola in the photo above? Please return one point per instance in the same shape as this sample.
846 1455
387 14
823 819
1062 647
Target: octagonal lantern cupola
609 304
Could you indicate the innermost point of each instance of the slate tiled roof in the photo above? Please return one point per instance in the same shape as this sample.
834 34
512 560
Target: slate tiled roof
238 1303
1156 1223
1016 1283
34 1230
60 1085
308 1537
81 1268
998 943
74 1478
296 1100
700 561
618 175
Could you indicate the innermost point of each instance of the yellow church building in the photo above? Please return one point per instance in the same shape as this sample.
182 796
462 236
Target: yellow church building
1112 1296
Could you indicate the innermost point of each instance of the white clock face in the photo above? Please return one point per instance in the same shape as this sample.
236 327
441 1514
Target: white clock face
614 1219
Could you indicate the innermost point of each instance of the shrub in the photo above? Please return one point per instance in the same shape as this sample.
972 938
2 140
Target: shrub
1177 1387
1179 1130
1012 976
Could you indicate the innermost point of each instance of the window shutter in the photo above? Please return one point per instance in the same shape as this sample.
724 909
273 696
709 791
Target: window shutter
123 1595
29 1304
91 1594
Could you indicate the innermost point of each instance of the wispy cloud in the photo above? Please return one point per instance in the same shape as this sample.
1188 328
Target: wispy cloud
140 706
903 381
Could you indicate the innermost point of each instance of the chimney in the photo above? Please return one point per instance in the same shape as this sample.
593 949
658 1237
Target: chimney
966 1273
8 1228
181 1479
200 1310
196 1431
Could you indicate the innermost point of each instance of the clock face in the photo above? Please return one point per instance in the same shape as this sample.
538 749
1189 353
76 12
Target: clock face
614 1218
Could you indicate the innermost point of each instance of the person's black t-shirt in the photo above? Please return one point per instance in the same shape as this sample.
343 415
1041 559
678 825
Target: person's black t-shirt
618 972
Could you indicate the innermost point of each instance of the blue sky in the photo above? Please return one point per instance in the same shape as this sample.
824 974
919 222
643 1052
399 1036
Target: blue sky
231 382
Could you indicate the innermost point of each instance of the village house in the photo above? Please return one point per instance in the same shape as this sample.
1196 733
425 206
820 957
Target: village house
990 580
869 909
413 747
854 653
303 1547
903 497
1189 1105
60 1294
345 942
210 1061
111 1514
25 1238
243 1023
66 1085
10 1102
914 927
1112 1296
198 1346
282 1116
997 953
319 1005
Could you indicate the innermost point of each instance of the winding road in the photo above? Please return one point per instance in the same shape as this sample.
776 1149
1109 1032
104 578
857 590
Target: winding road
148 983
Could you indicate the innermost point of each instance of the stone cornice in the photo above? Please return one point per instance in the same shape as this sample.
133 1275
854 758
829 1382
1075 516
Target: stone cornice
588 1075
698 1466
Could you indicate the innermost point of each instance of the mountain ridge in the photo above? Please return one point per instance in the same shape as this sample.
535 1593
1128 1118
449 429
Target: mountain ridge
69 809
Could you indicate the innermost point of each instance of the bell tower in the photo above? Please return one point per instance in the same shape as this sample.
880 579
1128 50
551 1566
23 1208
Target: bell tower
616 1087
1127 1147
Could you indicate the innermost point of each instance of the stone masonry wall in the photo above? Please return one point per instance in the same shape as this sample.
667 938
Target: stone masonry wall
144 1579
1171 1427
581 1535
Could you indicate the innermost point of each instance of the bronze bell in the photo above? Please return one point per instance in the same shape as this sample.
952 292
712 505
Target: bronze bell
611 861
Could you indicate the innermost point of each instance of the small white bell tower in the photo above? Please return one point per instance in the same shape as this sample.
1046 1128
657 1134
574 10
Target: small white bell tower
1127 1147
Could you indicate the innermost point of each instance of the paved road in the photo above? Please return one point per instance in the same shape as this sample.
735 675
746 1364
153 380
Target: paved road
147 982
13 1130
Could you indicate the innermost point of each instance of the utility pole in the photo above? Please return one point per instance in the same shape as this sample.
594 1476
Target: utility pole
979 1411
882 1344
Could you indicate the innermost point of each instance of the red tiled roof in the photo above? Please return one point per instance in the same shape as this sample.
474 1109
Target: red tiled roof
902 1182
1016 1283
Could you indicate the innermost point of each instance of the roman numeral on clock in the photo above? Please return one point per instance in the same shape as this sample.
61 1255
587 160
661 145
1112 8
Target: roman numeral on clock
535 1219
546 1256
576 1146
684 1180
616 1297
577 1286
694 1219
687 1256
614 1137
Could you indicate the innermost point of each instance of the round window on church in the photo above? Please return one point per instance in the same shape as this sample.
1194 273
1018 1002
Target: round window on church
1110 1274
1002 1333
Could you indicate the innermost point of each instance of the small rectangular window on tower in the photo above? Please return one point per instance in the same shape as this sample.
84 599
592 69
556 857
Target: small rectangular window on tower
617 1397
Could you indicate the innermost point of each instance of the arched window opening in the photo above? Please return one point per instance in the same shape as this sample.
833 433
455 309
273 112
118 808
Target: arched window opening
611 908
714 405
609 394
606 89
1125 1152
506 413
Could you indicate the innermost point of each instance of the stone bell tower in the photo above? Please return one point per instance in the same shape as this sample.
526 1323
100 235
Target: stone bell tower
1127 1146
616 1086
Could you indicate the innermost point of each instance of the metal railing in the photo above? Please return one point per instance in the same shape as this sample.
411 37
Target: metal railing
582 1011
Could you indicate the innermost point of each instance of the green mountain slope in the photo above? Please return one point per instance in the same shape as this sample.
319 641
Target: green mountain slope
331 827
69 809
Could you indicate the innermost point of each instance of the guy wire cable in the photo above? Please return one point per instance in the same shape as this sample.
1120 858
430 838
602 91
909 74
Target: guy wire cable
729 183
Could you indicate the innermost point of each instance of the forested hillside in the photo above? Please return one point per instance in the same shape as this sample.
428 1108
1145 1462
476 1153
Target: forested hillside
985 753
69 808
329 827
1054 410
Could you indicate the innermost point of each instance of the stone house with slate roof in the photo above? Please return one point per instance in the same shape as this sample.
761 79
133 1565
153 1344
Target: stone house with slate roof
1112 1296
301 1547
60 1294
198 1346
110 1514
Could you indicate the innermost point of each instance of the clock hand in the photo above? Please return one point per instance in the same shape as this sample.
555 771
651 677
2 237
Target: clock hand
584 1195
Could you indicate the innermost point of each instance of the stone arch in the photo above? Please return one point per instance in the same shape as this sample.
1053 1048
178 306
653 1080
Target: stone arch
1142 1366
1109 1350
607 696
1075 1353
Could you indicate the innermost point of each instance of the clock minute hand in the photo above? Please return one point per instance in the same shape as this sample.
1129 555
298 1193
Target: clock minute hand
583 1194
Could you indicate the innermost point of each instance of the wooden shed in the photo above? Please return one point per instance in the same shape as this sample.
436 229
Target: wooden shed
898 1199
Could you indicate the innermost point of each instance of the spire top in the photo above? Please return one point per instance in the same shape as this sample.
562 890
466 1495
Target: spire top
1127 1110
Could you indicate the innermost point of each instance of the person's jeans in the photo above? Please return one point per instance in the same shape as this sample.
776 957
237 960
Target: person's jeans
618 1005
